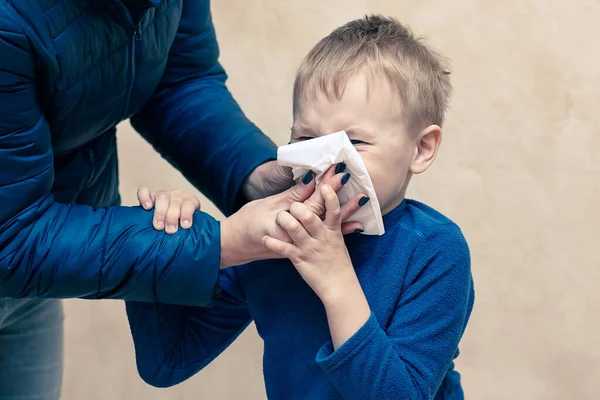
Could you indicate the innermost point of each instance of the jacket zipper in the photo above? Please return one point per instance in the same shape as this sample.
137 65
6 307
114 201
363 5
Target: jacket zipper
134 52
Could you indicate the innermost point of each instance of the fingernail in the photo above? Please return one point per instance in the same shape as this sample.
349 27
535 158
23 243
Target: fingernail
341 167
345 178
185 223
359 230
159 225
171 229
363 201
307 178
148 205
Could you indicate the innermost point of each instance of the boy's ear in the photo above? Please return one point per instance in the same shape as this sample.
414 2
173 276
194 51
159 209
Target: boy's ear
426 148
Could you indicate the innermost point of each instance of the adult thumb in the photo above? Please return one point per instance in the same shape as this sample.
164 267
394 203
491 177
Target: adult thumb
299 192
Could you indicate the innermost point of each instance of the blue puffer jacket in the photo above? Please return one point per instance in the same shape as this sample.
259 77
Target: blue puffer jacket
70 71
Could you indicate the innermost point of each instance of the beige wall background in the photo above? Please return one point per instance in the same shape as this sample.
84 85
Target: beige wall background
519 170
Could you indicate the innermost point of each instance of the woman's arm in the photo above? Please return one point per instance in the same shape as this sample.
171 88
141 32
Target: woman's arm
173 343
57 251
193 121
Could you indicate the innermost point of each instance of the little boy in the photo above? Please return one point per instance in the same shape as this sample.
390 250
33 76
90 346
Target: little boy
355 317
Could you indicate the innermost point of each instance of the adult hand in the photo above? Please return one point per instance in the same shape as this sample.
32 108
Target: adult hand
267 179
242 233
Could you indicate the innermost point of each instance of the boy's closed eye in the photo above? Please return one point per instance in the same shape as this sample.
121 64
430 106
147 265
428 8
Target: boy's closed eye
353 141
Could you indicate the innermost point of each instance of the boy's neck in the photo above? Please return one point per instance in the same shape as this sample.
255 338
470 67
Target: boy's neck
396 201
392 206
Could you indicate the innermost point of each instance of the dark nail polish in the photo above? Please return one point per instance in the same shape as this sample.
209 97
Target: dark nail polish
307 178
359 230
341 167
363 201
345 178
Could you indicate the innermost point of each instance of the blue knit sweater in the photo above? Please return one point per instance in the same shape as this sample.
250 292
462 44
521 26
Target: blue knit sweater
418 283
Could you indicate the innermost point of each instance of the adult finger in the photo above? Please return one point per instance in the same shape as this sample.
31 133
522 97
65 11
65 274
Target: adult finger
316 203
334 170
336 179
353 205
299 192
351 227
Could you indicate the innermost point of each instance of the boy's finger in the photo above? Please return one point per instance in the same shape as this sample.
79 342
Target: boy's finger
284 249
196 202
143 196
333 212
353 205
351 227
161 205
173 214
291 225
281 234
307 218
188 208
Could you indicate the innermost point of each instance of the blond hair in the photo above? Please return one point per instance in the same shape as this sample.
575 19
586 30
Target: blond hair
383 48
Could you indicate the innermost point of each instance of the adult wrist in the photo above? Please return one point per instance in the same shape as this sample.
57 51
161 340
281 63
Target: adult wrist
250 190
229 249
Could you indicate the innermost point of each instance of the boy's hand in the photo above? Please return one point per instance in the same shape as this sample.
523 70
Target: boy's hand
317 250
320 255
171 208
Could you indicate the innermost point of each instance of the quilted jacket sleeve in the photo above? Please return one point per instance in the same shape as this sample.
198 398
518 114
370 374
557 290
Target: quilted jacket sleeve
173 343
56 251
193 120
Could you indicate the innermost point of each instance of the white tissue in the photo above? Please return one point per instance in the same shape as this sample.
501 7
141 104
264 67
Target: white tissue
318 154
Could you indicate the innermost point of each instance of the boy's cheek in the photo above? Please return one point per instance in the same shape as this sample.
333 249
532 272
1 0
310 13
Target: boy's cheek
382 182
372 166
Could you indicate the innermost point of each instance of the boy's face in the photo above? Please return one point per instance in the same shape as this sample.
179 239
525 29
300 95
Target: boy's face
376 128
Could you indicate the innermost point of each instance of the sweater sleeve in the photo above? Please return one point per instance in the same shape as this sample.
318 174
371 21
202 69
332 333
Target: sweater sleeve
193 121
173 343
55 250
408 357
